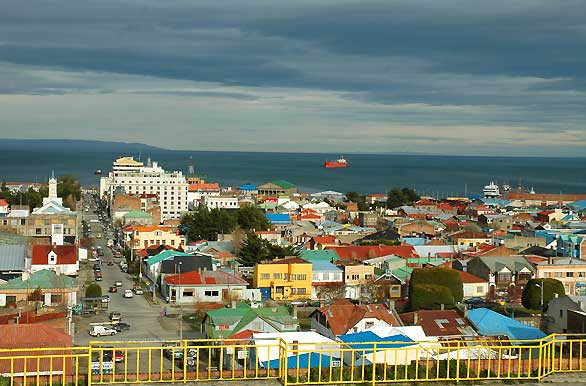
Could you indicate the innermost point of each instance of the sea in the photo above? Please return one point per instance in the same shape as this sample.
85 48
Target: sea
429 175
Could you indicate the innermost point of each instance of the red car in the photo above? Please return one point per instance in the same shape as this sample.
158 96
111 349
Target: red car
113 289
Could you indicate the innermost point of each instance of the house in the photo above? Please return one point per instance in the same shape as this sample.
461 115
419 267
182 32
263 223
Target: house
197 191
473 286
175 264
321 242
248 191
571 245
364 252
225 322
137 217
358 279
419 227
496 221
279 221
490 323
56 289
329 195
4 207
441 324
469 239
140 236
203 287
12 260
570 271
506 276
386 351
277 188
322 255
62 259
343 317
325 277
152 264
563 308
221 202
284 279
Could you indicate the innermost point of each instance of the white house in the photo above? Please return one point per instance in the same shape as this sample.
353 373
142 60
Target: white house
221 202
61 259
4 207
203 287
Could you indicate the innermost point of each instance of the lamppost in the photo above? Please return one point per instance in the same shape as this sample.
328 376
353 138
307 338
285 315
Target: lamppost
541 286
177 297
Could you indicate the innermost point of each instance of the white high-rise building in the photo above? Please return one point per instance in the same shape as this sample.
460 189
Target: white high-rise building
136 178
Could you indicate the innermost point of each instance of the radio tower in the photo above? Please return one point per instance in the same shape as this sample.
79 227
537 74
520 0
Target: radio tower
190 170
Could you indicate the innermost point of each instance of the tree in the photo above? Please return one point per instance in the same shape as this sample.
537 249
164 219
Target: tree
446 277
255 250
430 297
531 297
398 197
358 199
252 218
207 224
331 292
93 291
36 296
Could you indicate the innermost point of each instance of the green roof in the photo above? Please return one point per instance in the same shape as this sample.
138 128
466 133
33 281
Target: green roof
137 214
44 279
243 314
284 184
164 256
328 255
402 273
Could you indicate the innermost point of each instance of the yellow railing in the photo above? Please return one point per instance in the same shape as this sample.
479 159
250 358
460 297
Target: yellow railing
293 363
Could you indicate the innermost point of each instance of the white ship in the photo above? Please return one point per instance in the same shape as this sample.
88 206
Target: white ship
491 190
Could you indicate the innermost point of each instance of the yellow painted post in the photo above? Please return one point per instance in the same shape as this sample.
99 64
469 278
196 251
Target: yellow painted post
137 365
89 365
286 368
457 362
373 364
185 361
63 368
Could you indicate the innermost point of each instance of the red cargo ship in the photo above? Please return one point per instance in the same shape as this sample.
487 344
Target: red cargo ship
339 163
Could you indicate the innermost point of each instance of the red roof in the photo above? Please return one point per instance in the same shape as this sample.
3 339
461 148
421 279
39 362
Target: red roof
32 336
66 254
342 315
204 277
470 278
324 239
3 202
438 323
204 186
364 252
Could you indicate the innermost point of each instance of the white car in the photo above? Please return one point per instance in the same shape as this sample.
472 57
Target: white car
102 330
118 284
128 293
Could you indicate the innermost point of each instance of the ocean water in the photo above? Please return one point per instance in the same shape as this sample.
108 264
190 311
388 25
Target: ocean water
368 173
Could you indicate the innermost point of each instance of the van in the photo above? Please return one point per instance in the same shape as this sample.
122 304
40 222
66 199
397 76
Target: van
102 331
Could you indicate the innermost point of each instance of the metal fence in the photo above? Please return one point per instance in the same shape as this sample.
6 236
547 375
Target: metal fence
293 363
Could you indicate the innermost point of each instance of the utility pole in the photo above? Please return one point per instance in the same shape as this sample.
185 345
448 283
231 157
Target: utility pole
177 297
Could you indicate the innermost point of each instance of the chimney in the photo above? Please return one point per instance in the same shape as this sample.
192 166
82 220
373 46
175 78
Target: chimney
415 318
25 275
295 311
233 303
442 306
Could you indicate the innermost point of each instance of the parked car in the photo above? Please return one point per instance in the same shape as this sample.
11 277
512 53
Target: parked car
118 355
121 326
102 331
128 293
115 316
99 278
138 290
105 299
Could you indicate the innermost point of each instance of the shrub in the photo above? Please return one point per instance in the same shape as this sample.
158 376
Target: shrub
531 297
93 291
430 296
446 277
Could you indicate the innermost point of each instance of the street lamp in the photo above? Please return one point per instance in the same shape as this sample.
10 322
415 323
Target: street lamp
177 297
541 286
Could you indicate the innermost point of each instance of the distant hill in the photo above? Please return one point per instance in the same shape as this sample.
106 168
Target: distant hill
78 144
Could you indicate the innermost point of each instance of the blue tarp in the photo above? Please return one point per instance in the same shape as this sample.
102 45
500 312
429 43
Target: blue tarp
278 218
490 323
356 341
303 361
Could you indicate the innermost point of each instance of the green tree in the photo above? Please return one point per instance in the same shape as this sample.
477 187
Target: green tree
446 277
207 224
430 297
252 218
93 291
358 199
401 196
255 250
531 297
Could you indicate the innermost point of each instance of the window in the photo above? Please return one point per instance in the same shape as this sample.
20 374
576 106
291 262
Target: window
38 231
479 289
301 291
211 293
569 274
561 313
265 276
276 276
23 221
547 275
10 300
368 325
326 276
558 274
355 277
187 293
285 276
302 277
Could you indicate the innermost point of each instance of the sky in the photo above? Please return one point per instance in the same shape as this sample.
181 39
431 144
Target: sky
435 77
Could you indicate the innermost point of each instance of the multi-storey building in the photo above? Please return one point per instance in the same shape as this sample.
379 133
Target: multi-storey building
136 178
288 279
570 271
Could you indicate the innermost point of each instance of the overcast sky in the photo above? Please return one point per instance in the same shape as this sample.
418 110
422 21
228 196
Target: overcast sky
443 77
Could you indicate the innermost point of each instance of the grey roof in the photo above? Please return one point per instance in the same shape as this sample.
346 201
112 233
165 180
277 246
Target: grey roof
11 238
513 263
12 257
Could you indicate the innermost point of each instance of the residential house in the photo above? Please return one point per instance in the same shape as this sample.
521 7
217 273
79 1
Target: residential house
153 264
375 198
62 259
226 322
284 279
562 308
277 188
273 237
12 260
330 195
420 227
203 287
473 286
506 276
469 239
490 323
4 207
570 271
441 324
321 242
343 317
326 277
546 216
139 236
358 279
221 202
56 289
279 221
249 191
364 252
322 255
196 192
180 264
496 221
571 245
137 217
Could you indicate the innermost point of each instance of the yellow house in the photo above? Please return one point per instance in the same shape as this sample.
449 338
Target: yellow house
470 239
140 236
287 279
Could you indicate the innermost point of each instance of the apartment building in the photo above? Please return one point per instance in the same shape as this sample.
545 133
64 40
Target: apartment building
284 279
136 178
570 271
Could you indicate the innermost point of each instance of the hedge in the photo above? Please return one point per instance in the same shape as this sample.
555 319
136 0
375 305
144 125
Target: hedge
446 277
430 297
531 297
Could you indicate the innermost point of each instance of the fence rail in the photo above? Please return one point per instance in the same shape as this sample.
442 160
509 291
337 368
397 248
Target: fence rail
293 363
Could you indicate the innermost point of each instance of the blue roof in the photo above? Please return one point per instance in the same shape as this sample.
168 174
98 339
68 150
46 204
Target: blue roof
579 205
248 187
414 241
323 265
490 323
304 361
278 218
357 339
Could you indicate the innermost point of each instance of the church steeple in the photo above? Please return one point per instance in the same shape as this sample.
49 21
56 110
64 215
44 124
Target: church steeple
52 186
